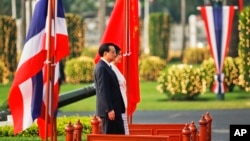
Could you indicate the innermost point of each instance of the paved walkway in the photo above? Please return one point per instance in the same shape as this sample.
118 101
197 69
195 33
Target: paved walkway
220 124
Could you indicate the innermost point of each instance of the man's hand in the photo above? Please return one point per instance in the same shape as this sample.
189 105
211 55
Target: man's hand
111 115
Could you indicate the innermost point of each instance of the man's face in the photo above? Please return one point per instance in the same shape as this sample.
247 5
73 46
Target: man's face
110 56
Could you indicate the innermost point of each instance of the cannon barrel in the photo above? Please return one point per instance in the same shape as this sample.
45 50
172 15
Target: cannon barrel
76 95
64 99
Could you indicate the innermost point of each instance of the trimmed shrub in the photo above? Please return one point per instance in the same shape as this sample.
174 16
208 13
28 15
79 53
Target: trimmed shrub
240 66
90 51
208 71
79 70
231 72
150 67
181 82
195 55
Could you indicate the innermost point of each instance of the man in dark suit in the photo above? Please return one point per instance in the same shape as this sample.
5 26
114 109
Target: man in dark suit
109 102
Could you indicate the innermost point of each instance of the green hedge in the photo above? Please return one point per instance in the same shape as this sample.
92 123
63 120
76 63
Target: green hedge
244 46
75 27
159 34
8 131
8 39
90 51
195 55
150 67
4 73
231 72
79 70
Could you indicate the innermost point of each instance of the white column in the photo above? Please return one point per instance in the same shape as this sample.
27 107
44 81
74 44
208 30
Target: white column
192 30
145 32
13 8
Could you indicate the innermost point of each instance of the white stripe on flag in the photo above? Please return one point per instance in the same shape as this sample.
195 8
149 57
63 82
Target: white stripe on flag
225 23
26 91
56 78
31 48
211 29
61 26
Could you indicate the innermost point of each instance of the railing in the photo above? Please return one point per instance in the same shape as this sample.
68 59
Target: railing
171 132
74 133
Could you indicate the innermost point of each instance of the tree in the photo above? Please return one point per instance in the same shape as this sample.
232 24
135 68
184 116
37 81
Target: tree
173 7
5 7
82 7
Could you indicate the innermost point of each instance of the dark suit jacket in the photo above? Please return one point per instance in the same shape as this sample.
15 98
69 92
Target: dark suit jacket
108 94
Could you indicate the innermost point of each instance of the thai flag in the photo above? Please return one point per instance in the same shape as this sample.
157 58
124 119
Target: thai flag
218 23
27 93
241 5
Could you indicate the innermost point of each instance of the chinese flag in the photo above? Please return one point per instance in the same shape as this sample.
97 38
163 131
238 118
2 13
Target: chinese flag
123 30
132 50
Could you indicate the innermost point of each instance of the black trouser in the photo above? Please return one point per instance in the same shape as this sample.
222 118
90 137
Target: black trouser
113 126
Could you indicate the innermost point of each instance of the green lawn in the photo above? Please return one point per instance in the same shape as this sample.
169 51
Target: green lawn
151 99
4 90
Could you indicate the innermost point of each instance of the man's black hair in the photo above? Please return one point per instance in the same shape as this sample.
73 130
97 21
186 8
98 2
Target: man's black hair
105 47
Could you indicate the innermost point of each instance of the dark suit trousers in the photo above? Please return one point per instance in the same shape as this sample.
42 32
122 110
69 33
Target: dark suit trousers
113 126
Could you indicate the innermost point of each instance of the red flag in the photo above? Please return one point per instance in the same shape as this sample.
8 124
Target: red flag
114 31
123 30
132 53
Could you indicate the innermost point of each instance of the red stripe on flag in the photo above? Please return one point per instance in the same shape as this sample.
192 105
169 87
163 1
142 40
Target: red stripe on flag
241 5
62 49
23 73
229 30
16 101
205 18
41 120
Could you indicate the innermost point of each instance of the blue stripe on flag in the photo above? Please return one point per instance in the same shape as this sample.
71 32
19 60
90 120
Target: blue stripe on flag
37 23
37 95
60 9
217 14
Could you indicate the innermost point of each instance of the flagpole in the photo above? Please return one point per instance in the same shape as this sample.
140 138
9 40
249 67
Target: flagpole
49 63
126 52
52 75
52 119
53 137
